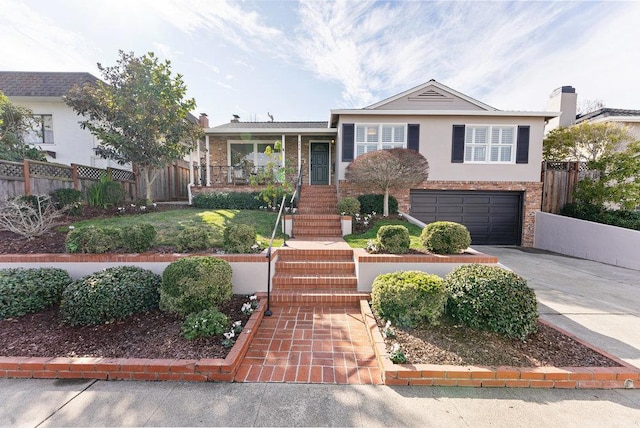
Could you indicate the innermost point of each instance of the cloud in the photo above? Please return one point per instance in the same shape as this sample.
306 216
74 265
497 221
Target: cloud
166 51
211 67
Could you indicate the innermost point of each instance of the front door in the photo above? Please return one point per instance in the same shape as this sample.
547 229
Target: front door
319 163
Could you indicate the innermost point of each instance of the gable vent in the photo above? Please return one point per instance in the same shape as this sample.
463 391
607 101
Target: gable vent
430 95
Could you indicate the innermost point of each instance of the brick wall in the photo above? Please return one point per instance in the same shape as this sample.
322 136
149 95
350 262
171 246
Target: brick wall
531 204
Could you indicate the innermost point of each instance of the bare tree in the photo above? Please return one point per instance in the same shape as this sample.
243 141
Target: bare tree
589 105
388 169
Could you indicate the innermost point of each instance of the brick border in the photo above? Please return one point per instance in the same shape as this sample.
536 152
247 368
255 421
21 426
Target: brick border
206 369
123 258
624 376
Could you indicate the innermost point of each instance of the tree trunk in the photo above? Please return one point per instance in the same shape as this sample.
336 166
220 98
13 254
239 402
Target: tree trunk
385 206
150 176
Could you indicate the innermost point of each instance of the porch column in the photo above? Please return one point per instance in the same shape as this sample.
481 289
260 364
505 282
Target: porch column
191 178
299 153
208 161
199 165
284 157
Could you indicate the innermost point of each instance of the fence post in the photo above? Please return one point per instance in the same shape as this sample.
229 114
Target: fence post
27 178
74 175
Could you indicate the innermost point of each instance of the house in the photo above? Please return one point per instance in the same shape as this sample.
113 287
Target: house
59 134
484 162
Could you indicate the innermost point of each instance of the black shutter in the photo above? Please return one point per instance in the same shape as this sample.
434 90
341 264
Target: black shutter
348 135
457 144
522 148
413 137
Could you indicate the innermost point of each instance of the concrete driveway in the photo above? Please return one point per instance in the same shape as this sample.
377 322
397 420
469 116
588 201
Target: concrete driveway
597 302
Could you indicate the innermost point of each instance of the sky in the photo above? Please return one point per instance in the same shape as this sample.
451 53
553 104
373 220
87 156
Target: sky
297 60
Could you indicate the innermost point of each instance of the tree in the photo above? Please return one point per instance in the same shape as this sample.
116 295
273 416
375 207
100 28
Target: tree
15 123
584 142
388 169
273 176
139 115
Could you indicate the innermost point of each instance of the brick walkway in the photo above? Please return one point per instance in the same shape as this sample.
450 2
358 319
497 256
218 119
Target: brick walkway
311 345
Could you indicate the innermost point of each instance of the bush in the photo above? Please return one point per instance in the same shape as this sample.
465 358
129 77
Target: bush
239 238
349 206
598 214
409 298
25 291
138 238
110 295
194 238
94 240
445 237
228 200
394 239
105 193
375 203
29 216
206 323
193 284
492 298
68 199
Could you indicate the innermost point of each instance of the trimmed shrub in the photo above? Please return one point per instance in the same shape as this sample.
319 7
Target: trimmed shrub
194 238
239 238
69 199
371 203
193 284
206 323
598 214
445 237
394 239
138 238
349 206
93 240
228 200
25 291
409 298
492 298
110 295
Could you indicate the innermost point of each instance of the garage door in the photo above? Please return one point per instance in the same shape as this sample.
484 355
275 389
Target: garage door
493 218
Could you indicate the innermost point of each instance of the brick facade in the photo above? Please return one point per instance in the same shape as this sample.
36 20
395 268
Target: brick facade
531 202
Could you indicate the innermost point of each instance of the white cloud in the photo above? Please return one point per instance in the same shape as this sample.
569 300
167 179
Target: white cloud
166 51
211 67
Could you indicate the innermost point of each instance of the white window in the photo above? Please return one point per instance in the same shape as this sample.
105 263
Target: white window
251 154
492 144
42 130
372 137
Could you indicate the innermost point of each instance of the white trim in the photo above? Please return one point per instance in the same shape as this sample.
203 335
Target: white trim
488 145
380 125
208 160
361 112
272 131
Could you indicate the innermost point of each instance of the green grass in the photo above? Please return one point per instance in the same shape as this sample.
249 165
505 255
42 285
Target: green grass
169 223
360 240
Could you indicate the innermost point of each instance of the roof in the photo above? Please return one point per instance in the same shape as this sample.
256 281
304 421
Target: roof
270 125
607 112
41 84
273 128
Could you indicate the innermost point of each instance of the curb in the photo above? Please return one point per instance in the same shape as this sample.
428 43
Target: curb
625 376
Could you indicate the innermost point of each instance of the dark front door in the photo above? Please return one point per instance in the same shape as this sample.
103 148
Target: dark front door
319 163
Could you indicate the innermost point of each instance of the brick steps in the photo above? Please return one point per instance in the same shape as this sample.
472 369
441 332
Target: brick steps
325 298
317 215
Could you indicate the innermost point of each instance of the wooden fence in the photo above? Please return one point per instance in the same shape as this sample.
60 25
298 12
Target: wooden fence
559 180
171 183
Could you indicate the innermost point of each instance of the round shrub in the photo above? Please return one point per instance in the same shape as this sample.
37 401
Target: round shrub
193 284
492 298
93 240
206 323
409 298
394 239
138 238
194 238
25 291
109 295
445 237
349 206
375 203
239 238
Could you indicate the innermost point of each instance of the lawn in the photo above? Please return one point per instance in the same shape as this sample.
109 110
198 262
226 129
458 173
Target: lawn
360 240
169 223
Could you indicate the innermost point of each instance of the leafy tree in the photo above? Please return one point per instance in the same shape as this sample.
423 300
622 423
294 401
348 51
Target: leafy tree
618 181
584 142
139 115
273 176
15 122
388 169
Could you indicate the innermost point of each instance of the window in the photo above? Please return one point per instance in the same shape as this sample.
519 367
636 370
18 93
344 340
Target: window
249 154
372 137
484 143
42 130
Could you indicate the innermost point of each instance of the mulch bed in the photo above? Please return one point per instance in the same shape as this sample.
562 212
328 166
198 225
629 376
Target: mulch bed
146 335
449 343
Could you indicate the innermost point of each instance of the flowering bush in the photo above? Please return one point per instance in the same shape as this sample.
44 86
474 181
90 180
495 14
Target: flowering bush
206 323
396 355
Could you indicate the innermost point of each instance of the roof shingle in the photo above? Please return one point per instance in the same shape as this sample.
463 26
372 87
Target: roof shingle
268 125
41 84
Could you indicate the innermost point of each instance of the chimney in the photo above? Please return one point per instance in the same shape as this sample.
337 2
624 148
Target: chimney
235 119
564 100
203 120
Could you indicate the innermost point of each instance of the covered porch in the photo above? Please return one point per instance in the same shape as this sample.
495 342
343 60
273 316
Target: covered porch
234 153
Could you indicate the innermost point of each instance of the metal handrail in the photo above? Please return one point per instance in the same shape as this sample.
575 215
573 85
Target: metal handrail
268 256
295 197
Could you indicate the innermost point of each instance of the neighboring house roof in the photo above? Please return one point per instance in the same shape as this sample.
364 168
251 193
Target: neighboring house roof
606 113
272 128
41 84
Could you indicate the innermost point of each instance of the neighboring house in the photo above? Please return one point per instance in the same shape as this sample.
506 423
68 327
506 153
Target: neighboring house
625 117
58 131
484 163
